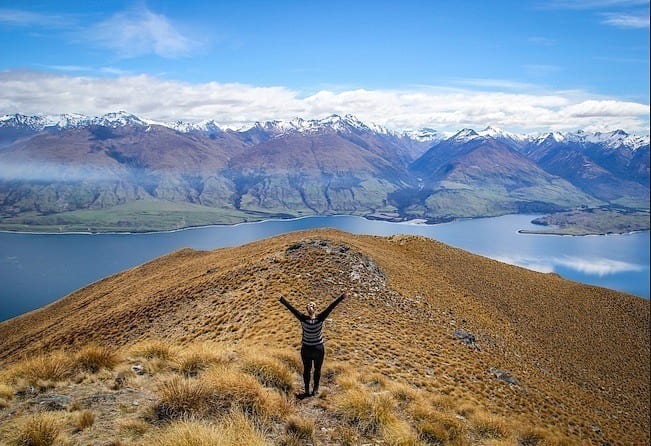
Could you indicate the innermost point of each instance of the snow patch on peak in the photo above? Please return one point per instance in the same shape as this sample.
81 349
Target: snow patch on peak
205 126
425 134
465 135
498 133
118 119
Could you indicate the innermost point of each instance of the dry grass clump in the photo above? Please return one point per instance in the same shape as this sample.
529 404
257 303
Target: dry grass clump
41 429
488 426
441 428
93 358
237 429
368 412
133 428
232 389
535 436
198 357
43 370
153 349
399 433
299 430
182 397
270 372
6 392
84 420
292 360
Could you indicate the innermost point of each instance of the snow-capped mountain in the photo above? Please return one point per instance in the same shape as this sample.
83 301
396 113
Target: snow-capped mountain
337 164
336 123
68 121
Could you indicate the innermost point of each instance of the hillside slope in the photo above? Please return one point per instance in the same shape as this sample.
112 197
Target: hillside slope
546 351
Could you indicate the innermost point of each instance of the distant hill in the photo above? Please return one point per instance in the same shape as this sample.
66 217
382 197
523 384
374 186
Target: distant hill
528 347
71 172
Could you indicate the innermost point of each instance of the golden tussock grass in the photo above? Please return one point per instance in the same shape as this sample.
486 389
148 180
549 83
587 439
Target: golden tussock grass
53 367
299 430
6 391
367 412
42 429
269 371
84 420
232 389
236 430
399 433
489 426
183 397
92 358
195 358
153 349
133 428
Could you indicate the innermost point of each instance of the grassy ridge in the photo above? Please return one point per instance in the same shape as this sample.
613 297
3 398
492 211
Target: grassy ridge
540 351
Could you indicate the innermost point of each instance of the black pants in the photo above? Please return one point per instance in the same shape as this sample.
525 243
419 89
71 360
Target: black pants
310 354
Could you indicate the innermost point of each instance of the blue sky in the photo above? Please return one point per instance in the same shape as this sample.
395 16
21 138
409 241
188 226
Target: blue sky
519 65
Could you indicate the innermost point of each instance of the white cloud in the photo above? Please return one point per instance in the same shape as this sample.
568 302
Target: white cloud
234 104
138 32
627 20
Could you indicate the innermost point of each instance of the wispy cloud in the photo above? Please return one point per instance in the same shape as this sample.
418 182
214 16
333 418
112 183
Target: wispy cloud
130 33
17 17
139 32
631 14
640 20
593 4
234 104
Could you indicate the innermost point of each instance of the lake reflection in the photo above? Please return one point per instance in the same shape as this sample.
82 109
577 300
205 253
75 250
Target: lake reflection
36 269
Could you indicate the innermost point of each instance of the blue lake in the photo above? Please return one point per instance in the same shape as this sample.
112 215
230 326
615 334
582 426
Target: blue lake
36 269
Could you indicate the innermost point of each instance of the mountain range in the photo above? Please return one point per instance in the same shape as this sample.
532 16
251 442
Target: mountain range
54 168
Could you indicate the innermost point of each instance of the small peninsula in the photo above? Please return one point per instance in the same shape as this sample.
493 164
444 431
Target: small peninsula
599 221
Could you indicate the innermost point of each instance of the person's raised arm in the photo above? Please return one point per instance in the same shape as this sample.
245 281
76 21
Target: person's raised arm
289 306
324 314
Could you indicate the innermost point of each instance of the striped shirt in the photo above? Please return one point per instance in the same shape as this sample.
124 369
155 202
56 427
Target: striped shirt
312 332
312 335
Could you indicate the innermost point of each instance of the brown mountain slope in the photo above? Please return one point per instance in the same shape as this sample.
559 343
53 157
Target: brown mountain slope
547 351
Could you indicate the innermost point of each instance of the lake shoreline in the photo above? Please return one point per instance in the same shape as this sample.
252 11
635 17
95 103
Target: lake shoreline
412 221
